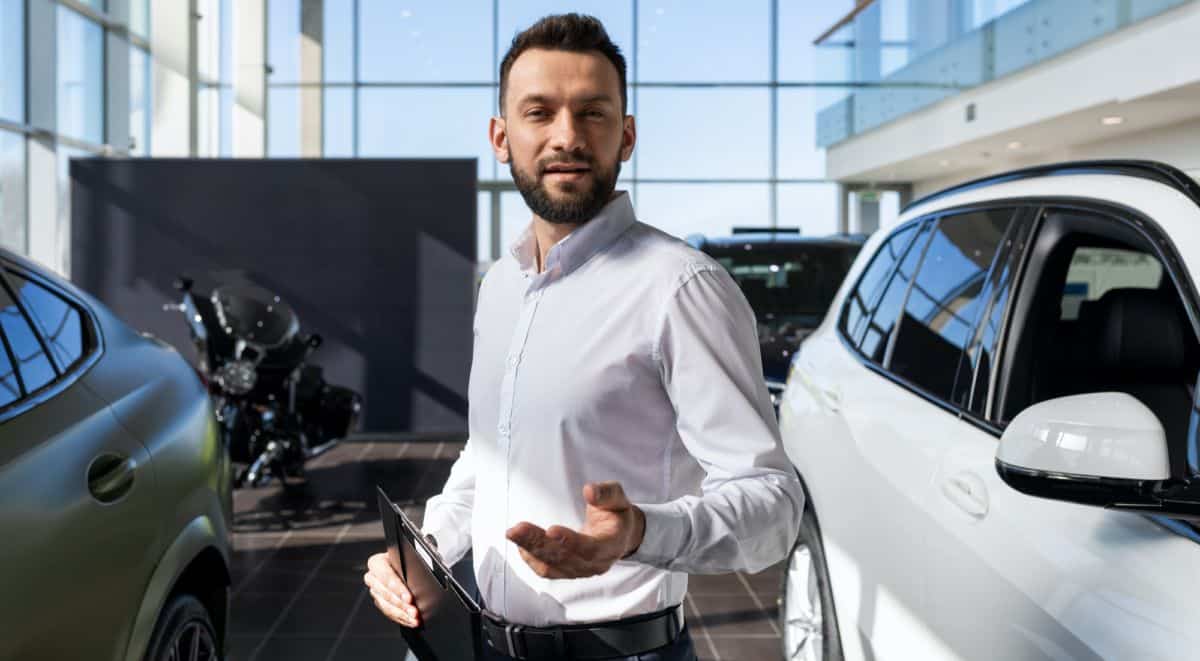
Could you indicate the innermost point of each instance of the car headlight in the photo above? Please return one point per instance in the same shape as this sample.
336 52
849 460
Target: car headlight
237 377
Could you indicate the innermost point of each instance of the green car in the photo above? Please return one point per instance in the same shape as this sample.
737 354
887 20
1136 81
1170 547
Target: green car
115 495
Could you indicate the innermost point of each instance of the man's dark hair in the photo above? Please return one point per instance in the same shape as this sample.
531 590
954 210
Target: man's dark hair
576 33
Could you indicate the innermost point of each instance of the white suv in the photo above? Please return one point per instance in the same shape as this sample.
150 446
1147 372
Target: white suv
997 428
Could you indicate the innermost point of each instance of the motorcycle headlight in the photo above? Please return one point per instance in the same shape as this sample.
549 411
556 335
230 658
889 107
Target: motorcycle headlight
237 377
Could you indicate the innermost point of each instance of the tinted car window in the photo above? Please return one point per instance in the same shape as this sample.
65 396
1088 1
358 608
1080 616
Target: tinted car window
943 303
10 390
59 322
983 353
883 322
1094 271
862 298
789 283
36 370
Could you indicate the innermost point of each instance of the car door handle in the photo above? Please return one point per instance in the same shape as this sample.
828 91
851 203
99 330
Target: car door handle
967 491
110 477
833 398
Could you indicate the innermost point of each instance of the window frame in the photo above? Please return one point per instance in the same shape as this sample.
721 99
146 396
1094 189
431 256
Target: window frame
64 376
1024 212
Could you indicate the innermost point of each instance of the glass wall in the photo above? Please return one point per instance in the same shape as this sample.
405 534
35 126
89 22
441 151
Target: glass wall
902 57
80 77
724 95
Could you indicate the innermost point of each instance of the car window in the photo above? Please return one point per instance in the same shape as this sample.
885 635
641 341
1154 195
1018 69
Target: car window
35 368
862 298
1095 271
879 329
943 302
983 352
59 322
10 389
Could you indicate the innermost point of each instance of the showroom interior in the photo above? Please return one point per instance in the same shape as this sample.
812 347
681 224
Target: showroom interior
323 168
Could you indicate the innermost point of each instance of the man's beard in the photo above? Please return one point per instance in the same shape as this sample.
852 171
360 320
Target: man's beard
579 206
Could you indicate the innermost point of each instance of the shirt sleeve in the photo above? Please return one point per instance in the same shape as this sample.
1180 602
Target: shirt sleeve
748 513
448 514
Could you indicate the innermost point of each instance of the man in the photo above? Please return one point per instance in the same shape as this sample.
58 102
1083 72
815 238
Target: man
621 435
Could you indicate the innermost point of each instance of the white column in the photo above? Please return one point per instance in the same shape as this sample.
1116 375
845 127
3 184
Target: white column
42 163
312 72
173 48
249 78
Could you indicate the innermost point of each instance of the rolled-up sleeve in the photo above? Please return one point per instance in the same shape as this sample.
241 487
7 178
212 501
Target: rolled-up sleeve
448 514
748 513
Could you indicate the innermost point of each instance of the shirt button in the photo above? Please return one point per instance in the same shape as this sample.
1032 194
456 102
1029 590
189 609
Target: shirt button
503 429
513 360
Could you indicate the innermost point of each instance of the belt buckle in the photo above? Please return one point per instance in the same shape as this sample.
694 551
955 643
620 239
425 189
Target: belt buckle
512 633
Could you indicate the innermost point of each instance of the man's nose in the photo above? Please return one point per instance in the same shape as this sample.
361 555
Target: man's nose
565 133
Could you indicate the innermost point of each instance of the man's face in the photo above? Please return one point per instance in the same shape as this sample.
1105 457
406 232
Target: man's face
564 133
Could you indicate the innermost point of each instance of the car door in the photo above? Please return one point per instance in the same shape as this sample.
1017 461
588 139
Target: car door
841 420
76 491
1013 576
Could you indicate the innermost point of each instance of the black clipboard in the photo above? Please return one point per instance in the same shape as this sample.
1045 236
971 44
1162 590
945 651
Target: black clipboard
449 627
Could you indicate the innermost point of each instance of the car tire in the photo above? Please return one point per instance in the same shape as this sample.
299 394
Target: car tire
184 632
807 621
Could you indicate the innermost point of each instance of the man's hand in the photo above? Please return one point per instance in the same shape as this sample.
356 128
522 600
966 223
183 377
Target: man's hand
392 597
613 528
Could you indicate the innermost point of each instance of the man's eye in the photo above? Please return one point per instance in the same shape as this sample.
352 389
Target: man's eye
594 114
536 113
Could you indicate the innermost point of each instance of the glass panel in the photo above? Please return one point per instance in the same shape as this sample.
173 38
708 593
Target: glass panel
10 389
226 123
514 218
704 40
12 60
208 116
338 41
283 41
617 17
80 77
811 207
879 329
1094 271
984 353
12 191
438 123
139 17
339 122
58 322
139 102
943 304
709 209
283 123
704 134
226 43
35 367
800 23
425 41
799 156
862 298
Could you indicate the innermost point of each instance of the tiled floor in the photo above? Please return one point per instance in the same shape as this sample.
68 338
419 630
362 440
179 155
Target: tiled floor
299 559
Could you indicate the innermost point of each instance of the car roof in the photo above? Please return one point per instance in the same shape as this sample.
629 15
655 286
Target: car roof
780 239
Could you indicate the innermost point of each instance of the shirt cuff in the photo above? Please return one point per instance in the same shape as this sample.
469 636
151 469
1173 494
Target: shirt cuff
452 544
668 531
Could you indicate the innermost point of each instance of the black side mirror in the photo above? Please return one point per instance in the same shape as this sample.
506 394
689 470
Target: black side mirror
315 340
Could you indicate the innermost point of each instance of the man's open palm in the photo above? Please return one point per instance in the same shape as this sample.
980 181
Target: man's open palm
613 528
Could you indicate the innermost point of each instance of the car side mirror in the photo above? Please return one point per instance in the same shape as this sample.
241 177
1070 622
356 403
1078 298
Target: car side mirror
1106 449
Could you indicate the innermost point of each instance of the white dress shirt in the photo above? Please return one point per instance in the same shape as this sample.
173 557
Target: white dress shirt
631 357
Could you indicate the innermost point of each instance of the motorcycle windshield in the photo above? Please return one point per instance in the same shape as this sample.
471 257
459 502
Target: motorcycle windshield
255 315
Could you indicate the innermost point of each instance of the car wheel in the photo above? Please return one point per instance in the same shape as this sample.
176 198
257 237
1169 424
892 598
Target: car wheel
807 620
184 632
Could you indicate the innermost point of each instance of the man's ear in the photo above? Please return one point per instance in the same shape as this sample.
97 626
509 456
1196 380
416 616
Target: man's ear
498 136
628 137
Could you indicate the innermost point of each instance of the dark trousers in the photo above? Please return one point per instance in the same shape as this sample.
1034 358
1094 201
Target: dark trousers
680 650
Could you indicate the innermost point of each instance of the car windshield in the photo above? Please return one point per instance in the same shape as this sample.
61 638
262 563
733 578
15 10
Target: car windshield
787 283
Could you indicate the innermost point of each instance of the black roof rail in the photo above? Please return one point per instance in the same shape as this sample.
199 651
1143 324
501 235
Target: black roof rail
1152 170
766 230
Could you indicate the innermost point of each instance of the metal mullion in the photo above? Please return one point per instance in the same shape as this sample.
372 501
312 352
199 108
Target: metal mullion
91 13
773 196
16 127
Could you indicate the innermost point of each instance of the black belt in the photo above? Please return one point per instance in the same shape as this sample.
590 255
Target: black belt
603 640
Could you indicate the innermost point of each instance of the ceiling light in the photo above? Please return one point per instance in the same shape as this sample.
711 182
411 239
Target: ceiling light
1112 120
1015 144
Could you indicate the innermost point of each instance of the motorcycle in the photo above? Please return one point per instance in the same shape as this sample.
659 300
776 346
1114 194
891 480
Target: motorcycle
275 409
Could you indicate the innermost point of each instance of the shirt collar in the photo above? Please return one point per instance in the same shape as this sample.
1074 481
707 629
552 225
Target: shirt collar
578 246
